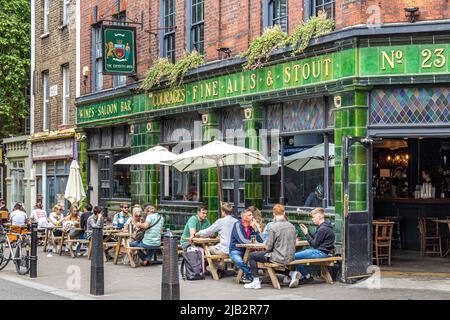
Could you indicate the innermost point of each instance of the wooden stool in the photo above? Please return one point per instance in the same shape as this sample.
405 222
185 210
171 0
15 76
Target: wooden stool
382 241
430 240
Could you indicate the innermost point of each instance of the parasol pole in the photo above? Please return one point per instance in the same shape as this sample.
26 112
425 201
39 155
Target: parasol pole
157 183
219 187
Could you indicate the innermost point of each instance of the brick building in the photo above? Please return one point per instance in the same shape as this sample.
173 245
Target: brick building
383 73
54 73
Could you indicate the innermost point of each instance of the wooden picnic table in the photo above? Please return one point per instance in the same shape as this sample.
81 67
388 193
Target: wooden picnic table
123 238
447 222
260 246
205 243
63 237
48 231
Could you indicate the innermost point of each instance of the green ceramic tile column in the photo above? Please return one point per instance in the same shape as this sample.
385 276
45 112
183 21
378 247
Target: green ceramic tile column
82 159
153 130
140 174
253 191
210 125
350 119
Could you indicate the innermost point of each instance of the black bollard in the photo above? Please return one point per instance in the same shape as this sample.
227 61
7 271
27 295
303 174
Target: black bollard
33 255
170 286
97 268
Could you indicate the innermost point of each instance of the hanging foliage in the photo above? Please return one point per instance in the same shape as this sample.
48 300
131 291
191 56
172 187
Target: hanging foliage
161 68
303 33
273 38
261 47
188 61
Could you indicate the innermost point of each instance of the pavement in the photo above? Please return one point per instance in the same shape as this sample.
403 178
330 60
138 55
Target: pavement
62 277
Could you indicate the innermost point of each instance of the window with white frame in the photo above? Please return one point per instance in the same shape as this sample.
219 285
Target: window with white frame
46 15
66 11
119 81
168 32
45 101
278 14
98 62
66 94
323 5
197 25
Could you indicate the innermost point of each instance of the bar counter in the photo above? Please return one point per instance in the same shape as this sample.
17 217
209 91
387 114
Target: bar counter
409 210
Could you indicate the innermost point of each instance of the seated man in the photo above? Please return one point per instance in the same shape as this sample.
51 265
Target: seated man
242 232
322 242
223 227
194 224
121 217
280 246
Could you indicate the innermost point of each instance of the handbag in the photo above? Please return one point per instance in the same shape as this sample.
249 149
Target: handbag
138 235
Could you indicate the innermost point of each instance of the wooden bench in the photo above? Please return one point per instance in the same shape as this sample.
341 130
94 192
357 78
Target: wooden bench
323 262
71 242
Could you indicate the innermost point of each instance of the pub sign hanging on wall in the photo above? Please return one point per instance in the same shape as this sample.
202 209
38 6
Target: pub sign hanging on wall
119 50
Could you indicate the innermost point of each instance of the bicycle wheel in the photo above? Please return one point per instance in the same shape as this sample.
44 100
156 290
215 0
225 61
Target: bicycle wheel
5 255
22 257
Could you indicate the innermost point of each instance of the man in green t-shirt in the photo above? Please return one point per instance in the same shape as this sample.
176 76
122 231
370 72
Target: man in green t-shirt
195 224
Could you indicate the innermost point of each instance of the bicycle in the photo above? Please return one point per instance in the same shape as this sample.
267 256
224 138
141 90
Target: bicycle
15 245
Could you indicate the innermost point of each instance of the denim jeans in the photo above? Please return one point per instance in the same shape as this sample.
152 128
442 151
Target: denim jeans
308 254
82 236
236 256
149 252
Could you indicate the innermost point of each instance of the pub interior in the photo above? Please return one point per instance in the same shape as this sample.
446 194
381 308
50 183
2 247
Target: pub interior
411 187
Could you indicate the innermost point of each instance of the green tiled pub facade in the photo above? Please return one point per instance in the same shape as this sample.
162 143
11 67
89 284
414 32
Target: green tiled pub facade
340 89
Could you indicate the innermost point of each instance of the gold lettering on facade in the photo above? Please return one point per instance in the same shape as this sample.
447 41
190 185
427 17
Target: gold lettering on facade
194 92
316 69
229 86
327 63
296 67
287 75
306 71
242 83
208 86
392 59
253 81
269 79
214 88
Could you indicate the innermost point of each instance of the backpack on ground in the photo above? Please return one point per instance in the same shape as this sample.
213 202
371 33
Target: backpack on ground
193 264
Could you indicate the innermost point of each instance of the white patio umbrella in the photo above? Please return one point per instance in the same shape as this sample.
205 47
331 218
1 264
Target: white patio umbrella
151 156
216 154
74 189
310 159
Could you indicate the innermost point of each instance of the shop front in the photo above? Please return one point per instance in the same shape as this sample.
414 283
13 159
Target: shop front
338 100
52 154
17 173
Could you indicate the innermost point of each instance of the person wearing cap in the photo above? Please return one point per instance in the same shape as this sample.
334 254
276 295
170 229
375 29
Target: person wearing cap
153 226
315 198
3 211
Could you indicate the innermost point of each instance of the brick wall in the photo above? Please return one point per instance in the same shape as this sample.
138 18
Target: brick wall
233 24
354 12
54 50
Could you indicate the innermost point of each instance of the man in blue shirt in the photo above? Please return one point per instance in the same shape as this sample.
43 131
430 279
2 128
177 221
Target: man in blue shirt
121 218
242 232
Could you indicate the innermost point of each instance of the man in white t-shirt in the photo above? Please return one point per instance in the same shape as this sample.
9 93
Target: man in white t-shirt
40 216
18 217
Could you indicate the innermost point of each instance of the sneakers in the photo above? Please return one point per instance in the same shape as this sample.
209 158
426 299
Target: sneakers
244 279
295 277
307 280
221 273
286 280
255 284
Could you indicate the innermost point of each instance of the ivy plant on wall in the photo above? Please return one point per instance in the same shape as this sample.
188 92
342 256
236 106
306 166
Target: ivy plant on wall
174 72
273 38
